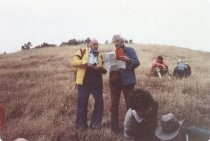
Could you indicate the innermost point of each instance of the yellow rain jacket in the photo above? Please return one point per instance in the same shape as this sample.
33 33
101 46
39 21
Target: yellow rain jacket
80 60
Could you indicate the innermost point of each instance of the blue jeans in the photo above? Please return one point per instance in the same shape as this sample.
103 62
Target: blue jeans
84 92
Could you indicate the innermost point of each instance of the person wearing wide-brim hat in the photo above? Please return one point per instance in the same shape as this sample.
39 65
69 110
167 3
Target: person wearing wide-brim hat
169 127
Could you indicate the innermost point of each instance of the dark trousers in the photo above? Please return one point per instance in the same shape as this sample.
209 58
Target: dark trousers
115 99
180 73
92 85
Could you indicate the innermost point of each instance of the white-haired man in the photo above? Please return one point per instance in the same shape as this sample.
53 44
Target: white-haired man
126 81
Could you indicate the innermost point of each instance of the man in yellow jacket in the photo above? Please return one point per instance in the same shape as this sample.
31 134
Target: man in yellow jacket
90 67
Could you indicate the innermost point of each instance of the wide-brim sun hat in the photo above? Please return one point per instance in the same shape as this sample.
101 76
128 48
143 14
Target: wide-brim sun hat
169 127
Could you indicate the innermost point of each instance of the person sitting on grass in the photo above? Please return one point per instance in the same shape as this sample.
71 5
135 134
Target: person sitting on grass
170 129
141 119
159 68
182 69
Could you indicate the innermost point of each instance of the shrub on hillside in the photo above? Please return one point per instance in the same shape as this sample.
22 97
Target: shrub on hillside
74 42
44 45
27 45
130 41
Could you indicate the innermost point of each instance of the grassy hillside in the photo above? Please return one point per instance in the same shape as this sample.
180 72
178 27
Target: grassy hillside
38 90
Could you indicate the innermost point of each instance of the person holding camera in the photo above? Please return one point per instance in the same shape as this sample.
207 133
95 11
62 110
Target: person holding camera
141 119
90 67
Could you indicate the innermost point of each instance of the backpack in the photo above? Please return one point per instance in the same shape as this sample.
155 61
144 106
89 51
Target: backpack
181 66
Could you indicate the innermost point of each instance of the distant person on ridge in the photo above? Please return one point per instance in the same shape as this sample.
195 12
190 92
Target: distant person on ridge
90 67
123 79
182 69
159 68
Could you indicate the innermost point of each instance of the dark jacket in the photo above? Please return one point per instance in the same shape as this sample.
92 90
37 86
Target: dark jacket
128 75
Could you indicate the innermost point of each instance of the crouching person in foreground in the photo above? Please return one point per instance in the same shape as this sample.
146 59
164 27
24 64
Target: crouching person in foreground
90 67
141 119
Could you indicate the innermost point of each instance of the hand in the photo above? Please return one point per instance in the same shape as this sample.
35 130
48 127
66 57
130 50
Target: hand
101 69
89 65
125 58
97 68
163 66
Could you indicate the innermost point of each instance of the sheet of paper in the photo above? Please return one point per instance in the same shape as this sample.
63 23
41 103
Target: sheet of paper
111 63
121 64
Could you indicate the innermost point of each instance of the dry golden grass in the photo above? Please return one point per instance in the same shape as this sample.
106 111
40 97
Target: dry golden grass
37 89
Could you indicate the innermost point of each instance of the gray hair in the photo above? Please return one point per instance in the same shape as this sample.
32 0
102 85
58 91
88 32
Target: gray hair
118 37
180 61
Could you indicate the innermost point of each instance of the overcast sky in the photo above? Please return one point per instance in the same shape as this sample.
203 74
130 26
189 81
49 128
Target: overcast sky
184 23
